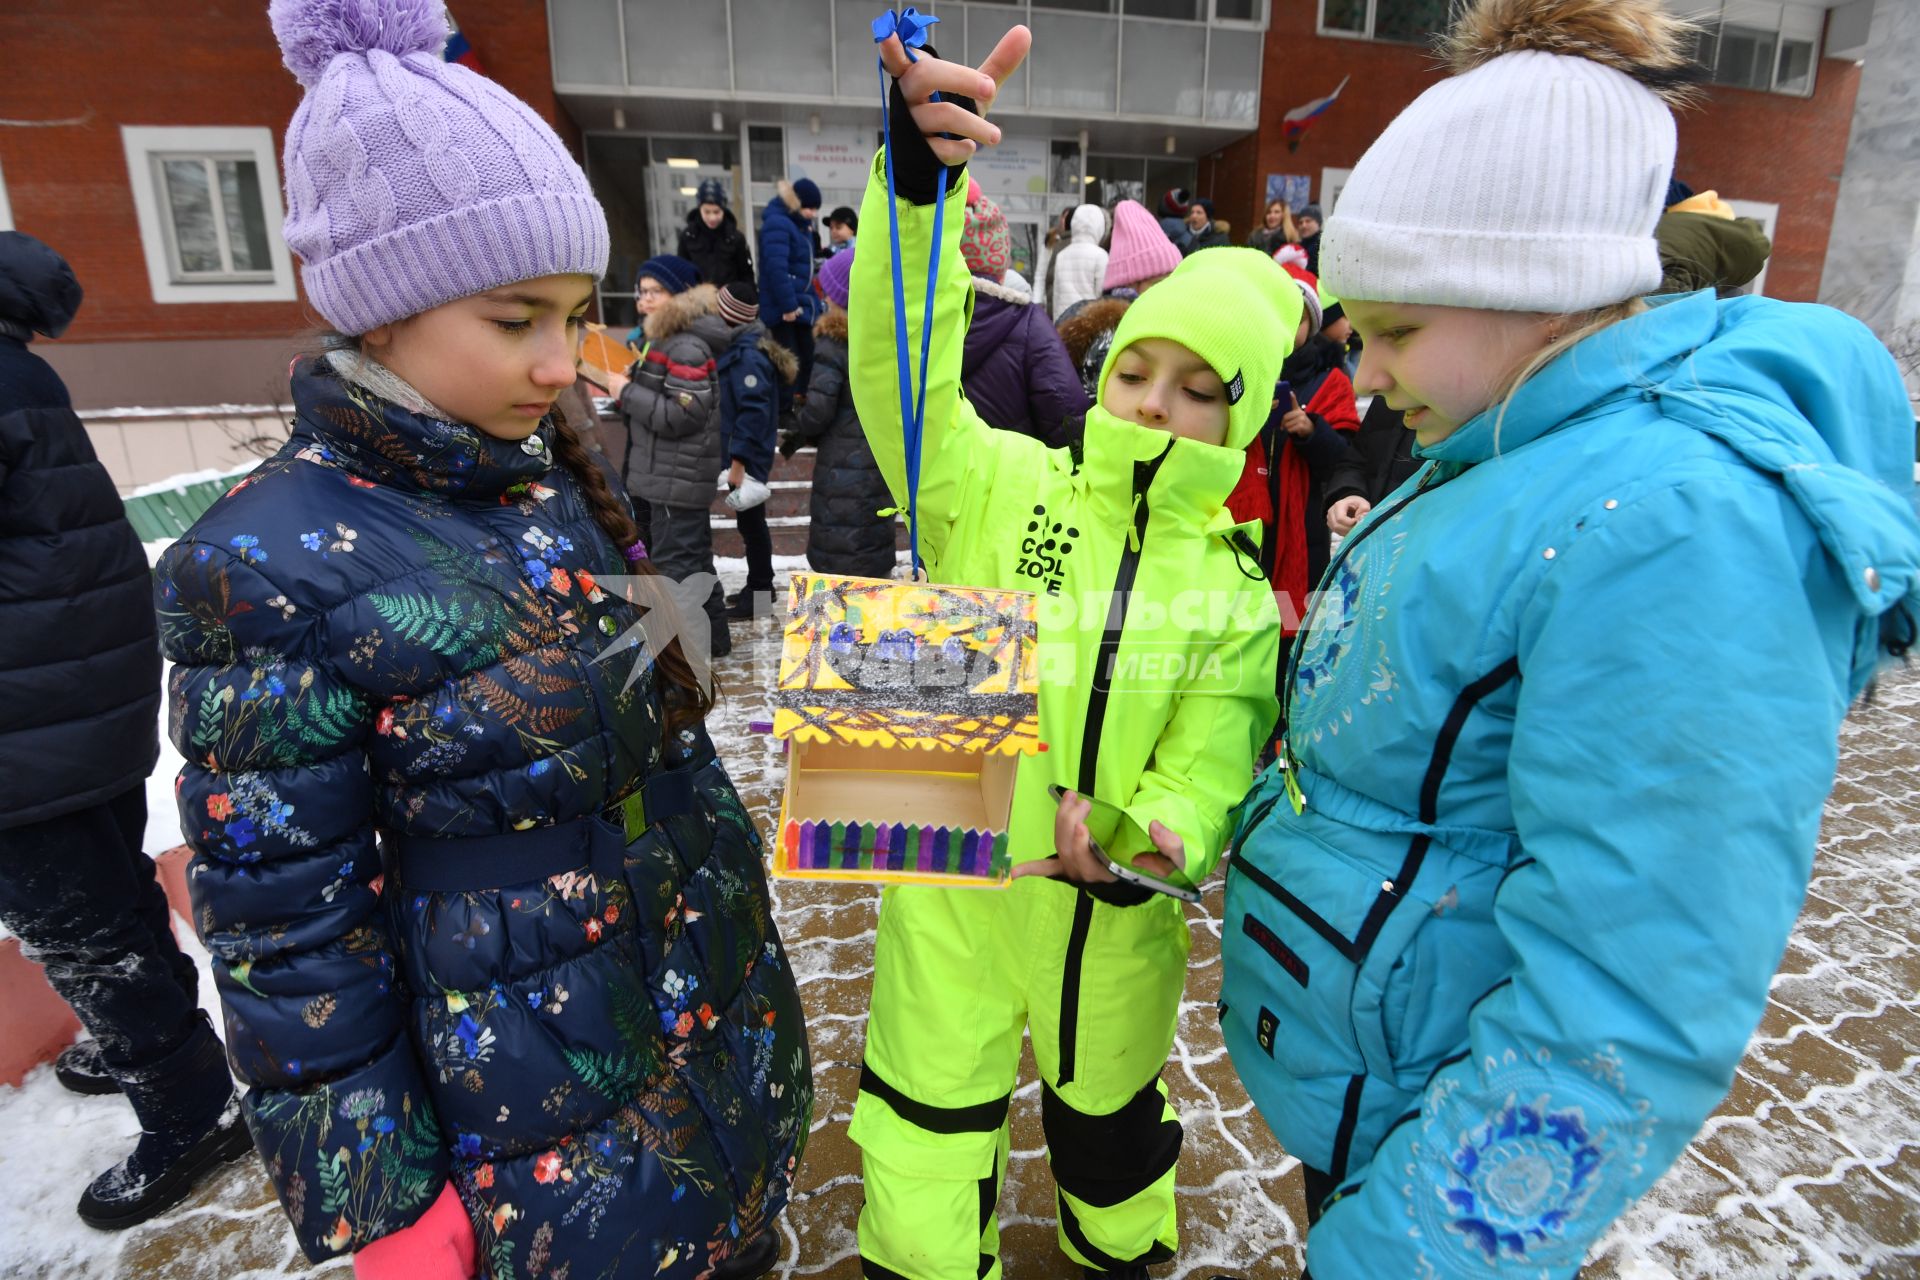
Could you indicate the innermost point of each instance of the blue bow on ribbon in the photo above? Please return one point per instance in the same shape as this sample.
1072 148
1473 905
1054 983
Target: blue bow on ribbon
909 24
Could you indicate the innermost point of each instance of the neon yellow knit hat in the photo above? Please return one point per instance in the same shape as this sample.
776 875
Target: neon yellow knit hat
1238 310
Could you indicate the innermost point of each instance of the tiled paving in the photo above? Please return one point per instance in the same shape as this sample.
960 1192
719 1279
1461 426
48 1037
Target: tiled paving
1811 1169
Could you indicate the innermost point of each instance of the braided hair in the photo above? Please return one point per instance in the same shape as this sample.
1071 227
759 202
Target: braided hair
687 700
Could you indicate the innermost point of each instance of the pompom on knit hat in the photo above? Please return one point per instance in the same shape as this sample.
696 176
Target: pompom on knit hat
1234 308
411 181
739 303
676 275
985 242
1140 249
1309 295
1558 106
836 275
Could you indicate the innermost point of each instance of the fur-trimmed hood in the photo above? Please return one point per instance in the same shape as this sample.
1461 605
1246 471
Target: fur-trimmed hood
1088 322
990 289
685 312
788 196
786 365
832 325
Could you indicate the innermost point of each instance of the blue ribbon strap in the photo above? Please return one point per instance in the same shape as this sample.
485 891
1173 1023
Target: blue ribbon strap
911 27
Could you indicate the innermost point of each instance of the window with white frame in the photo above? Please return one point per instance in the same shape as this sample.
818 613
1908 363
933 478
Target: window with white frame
1397 21
1767 214
1757 57
208 204
1332 183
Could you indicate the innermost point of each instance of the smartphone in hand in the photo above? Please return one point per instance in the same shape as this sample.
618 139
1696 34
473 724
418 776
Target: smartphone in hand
1104 824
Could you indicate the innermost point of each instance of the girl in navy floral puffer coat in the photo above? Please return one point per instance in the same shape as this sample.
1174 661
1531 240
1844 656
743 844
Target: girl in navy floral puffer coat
487 918
397 626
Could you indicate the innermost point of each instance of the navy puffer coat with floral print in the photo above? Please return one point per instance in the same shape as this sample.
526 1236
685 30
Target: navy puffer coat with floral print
414 763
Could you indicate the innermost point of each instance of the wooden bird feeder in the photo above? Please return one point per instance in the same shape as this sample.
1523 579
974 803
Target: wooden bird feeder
906 708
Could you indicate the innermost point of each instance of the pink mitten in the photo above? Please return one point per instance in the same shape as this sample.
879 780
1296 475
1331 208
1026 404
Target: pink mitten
439 1246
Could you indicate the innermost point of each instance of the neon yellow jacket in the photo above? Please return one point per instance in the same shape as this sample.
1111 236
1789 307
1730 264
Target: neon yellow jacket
1131 551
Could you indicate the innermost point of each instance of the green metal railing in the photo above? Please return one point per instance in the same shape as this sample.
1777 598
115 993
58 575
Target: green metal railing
165 515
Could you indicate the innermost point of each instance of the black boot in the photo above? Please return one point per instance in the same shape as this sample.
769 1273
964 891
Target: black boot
1125 1273
189 1125
79 1069
748 605
758 1259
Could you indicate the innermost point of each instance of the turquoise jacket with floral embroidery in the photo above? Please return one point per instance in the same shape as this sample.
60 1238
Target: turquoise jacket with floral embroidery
1564 717
397 626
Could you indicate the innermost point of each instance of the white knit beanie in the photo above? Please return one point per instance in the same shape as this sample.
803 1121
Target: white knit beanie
1531 182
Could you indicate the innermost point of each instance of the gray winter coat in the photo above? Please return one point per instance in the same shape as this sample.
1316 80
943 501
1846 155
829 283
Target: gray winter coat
672 405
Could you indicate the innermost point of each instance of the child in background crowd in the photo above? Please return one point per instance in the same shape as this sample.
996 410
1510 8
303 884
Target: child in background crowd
846 534
755 374
1015 369
1077 269
1291 462
1141 257
843 225
711 239
671 405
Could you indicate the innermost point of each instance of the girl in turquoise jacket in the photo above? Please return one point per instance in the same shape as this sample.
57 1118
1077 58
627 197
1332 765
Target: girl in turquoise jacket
1155 638
1560 727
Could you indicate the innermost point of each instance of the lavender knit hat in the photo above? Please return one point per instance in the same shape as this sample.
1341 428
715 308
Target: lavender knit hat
836 276
411 181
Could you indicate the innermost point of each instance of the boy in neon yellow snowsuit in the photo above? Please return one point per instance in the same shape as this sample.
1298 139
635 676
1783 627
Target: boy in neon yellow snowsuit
1158 638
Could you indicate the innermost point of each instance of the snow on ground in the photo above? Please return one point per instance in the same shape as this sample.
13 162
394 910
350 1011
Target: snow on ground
1810 1169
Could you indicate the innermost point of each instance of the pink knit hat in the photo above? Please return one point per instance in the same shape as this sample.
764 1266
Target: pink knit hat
1140 249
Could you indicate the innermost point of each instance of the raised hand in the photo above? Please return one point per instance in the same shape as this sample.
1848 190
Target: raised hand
927 75
1295 421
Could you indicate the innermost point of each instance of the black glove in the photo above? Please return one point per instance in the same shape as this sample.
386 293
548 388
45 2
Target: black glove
915 167
790 443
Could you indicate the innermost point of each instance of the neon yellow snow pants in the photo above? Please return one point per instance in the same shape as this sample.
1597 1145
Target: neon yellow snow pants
958 974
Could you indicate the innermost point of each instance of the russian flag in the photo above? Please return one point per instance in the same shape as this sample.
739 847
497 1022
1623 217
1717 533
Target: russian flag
1294 124
458 50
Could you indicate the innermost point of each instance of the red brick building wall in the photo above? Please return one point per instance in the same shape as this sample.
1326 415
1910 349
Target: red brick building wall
110 63
1747 145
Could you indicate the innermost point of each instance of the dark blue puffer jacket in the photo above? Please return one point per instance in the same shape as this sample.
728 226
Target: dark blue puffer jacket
79 666
395 627
756 375
786 262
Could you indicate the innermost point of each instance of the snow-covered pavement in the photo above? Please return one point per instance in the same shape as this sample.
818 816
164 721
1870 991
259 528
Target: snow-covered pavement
1810 1169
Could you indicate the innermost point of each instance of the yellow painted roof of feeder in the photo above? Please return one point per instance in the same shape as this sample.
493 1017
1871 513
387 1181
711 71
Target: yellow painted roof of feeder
908 664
